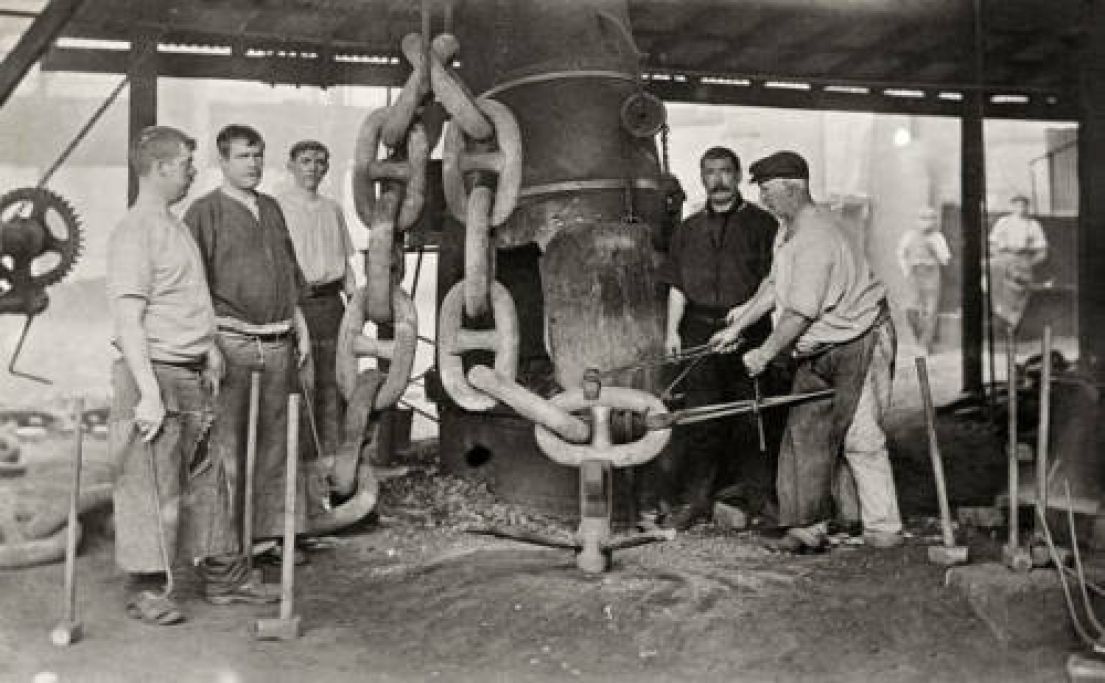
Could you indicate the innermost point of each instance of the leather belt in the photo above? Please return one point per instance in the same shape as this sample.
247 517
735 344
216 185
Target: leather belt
268 332
191 365
325 289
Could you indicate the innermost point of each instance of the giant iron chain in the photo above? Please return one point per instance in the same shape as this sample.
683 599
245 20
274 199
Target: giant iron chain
482 173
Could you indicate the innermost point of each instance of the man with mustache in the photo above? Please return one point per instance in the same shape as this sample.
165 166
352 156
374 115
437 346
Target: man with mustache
255 285
716 261
317 227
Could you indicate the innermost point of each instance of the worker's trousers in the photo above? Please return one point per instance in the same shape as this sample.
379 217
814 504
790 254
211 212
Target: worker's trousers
323 314
850 423
192 488
274 358
925 280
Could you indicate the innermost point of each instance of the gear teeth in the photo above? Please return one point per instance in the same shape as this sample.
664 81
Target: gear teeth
70 249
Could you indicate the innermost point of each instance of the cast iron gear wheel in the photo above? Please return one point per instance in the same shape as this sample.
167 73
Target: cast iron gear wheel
35 223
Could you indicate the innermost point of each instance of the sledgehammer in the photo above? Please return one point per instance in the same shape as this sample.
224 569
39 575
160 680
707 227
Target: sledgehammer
286 626
69 630
949 553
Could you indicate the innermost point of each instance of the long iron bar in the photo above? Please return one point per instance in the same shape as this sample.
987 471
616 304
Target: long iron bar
719 410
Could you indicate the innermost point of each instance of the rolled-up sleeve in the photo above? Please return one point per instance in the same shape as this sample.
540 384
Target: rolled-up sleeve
129 272
811 267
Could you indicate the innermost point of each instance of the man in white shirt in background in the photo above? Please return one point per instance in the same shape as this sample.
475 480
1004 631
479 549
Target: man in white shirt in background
922 252
1017 246
323 249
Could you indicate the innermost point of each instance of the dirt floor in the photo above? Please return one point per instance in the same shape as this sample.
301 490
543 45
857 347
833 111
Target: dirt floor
411 597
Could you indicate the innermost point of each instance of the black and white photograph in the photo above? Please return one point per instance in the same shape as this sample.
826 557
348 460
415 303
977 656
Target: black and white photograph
503 341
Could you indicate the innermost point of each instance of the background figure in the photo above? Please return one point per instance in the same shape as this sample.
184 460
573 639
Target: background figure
716 260
1017 246
317 227
922 251
255 286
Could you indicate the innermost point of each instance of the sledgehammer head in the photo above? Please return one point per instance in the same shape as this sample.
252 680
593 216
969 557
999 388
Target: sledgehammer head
66 633
276 629
1019 559
948 555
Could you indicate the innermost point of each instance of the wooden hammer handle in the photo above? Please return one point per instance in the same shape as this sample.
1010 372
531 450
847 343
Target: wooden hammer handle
74 500
287 567
934 453
251 465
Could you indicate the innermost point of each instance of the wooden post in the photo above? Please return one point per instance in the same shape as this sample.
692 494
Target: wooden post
973 231
33 44
1091 182
142 74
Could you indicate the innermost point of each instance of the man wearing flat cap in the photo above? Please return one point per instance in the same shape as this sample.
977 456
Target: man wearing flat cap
833 317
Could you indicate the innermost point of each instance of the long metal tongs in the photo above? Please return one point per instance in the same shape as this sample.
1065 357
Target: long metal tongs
719 410
684 355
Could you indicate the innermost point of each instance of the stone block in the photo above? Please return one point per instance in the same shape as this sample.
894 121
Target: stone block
1022 610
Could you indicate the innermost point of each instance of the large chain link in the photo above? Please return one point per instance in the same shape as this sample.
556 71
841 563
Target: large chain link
482 175
497 159
354 344
400 180
454 340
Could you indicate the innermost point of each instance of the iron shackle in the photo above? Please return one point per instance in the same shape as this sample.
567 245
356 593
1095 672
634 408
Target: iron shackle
601 448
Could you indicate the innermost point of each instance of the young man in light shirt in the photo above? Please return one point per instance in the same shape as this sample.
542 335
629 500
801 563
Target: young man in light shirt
323 249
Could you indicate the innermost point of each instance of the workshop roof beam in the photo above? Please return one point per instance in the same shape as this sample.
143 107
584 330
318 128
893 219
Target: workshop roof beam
34 42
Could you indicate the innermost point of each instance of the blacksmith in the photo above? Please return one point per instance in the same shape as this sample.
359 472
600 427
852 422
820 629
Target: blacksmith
255 286
317 227
833 315
163 390
716 261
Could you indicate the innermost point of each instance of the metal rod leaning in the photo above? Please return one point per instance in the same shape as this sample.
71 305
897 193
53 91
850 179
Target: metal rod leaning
1011 378
756 413
1079 567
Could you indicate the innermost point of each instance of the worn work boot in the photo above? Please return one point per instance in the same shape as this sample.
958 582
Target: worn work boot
648 520
730 517
883 539
684 517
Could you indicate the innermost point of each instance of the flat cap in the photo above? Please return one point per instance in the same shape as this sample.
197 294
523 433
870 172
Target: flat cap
779 165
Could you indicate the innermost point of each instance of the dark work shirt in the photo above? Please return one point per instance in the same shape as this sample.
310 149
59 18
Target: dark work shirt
719 259
250 263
